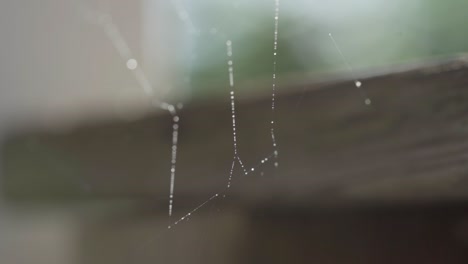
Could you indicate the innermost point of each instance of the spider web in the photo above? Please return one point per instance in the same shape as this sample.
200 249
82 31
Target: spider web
105 21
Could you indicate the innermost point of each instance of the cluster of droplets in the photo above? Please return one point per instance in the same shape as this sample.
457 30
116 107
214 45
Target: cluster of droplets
236 156
230 173
175 139
273 95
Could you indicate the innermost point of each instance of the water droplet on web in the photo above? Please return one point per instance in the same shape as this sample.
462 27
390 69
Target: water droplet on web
357 83
170 108
132 64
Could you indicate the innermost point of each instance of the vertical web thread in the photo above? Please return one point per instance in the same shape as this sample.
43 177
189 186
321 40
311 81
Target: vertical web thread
104 20
273 95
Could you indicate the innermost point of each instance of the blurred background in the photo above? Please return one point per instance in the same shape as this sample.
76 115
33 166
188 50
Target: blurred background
57 58
61 63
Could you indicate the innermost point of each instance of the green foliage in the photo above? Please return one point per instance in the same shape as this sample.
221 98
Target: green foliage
376 37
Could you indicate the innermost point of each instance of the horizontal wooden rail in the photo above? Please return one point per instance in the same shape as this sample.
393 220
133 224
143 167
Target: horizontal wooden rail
410 144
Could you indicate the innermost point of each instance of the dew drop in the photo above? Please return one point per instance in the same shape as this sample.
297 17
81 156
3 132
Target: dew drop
132 64
170 108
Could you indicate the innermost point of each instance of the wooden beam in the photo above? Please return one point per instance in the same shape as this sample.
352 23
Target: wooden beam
410 145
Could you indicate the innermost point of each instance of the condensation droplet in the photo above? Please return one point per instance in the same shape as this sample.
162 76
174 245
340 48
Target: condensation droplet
132 64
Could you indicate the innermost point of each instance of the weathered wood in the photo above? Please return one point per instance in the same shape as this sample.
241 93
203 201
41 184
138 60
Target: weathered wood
403 235
223 234
409 145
